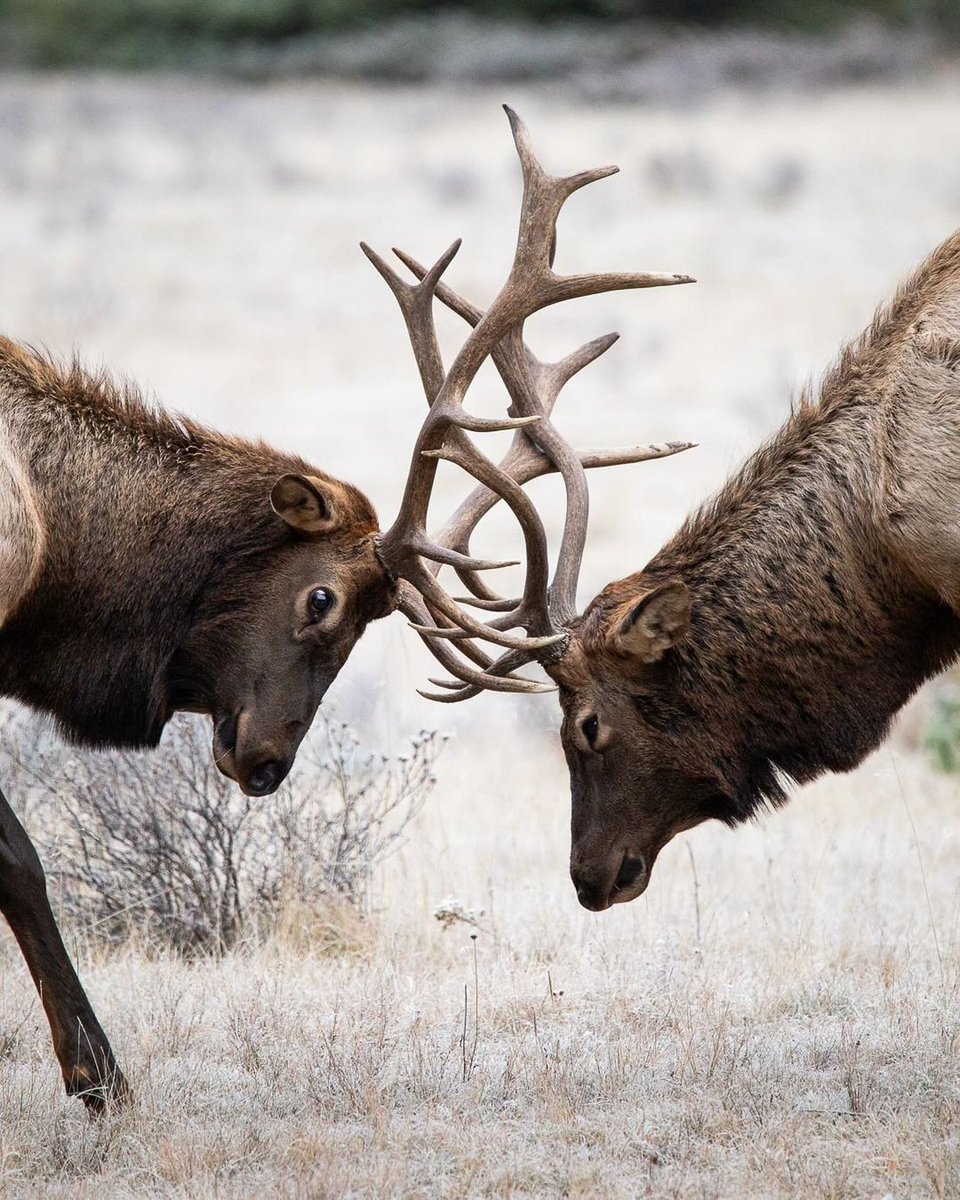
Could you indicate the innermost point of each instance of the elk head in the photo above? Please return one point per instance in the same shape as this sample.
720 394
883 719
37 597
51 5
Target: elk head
630 793
635 737
275 625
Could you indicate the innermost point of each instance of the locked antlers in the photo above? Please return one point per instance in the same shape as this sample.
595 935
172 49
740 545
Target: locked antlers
548 604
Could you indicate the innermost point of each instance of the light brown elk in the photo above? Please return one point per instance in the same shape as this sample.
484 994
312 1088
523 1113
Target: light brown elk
774 637
148 565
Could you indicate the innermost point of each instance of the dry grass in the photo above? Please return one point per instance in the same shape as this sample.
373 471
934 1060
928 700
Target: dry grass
779 1015
805 1045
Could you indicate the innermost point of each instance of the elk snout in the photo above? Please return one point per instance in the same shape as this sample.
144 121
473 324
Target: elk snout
265 778
258 767
632 870
617 880
591 894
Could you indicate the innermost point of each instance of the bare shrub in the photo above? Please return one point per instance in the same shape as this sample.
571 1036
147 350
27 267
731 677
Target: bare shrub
162 844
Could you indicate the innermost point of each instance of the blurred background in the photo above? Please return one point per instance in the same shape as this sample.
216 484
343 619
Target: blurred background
398 38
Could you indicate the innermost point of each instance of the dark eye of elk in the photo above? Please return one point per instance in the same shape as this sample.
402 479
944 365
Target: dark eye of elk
591 727
320 603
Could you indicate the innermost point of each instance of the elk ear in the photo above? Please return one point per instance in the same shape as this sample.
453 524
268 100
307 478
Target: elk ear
306 503
648 628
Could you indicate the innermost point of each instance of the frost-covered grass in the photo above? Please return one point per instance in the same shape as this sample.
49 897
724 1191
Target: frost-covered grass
779 1014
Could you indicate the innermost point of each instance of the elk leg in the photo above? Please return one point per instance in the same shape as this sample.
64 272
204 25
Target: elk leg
86 1060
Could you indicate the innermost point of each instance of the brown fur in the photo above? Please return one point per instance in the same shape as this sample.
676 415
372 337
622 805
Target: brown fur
823 585
149 565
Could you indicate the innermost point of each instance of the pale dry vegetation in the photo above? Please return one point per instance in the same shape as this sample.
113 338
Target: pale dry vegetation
164 849
779 1015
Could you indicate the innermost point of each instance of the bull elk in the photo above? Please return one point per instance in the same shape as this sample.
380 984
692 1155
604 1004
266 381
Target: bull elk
148 565
780 630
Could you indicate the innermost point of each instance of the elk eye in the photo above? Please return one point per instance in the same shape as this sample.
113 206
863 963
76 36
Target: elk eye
591 727
319 603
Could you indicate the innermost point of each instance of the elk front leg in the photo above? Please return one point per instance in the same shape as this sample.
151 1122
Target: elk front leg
86 1060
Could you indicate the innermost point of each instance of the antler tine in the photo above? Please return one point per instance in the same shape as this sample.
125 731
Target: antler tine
455 302
560 373
407 537
546 607
463 623
501 606
535 385
543 197
416 304
632 454
502 681
523 463
464 691
453 558
532 284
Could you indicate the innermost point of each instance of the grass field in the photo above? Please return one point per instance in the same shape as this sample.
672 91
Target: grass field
778 1015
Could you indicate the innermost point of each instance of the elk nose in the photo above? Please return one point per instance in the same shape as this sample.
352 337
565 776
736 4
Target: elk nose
265 778
631 869
592 895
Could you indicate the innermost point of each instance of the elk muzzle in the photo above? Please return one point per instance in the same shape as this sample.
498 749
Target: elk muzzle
258 765
615 879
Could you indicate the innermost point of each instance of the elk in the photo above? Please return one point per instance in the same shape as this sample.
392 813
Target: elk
779 631
148 566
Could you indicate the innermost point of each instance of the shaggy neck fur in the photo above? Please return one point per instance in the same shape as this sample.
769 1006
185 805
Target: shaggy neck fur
807 632
806 636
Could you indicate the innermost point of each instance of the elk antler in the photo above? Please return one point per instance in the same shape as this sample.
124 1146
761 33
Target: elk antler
546 607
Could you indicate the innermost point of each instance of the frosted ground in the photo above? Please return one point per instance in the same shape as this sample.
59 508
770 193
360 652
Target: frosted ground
779 1015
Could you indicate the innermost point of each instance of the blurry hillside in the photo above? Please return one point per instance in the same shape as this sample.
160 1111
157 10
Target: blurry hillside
641 48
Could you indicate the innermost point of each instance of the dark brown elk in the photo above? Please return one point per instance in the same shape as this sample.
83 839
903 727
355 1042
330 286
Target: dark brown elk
148 565
774 637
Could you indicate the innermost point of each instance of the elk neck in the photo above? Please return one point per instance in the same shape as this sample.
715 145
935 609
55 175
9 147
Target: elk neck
807 632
